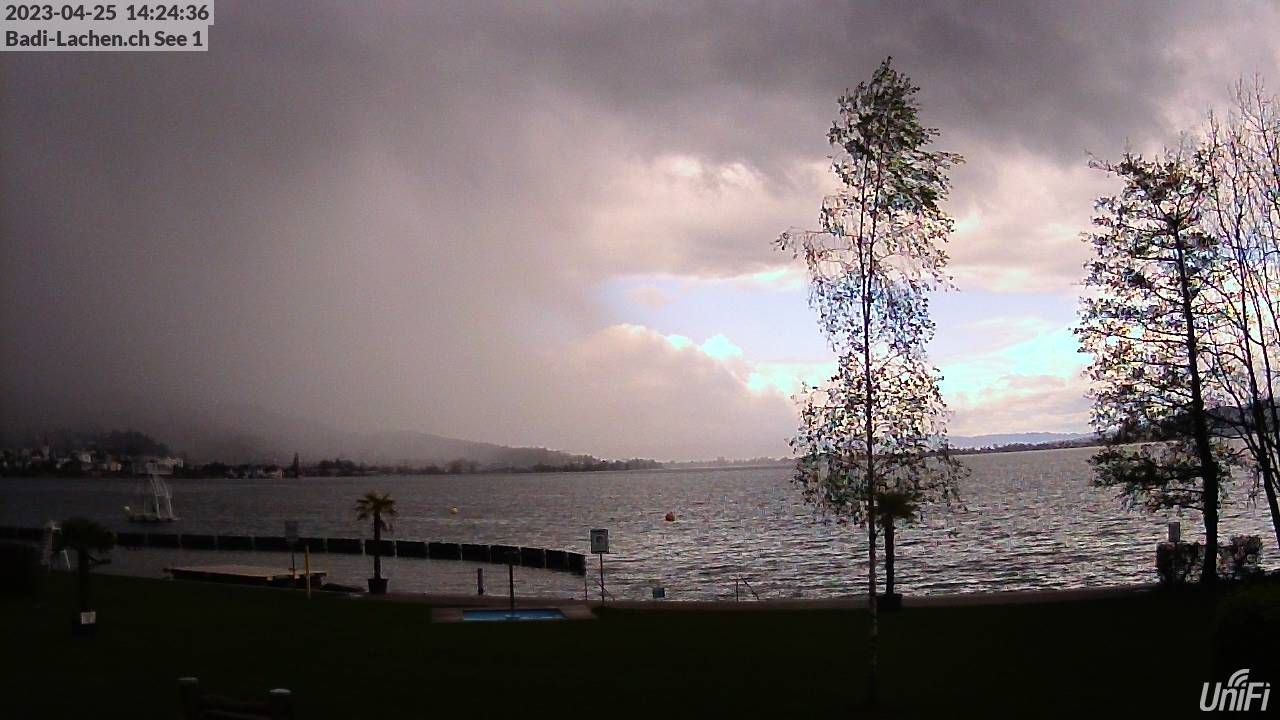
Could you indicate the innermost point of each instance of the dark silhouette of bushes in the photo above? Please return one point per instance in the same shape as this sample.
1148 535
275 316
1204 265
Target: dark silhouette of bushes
20 569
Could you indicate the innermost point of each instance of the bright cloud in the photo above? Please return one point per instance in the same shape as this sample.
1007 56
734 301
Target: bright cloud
694 218
635 391
721 348
1019 223
679 342
788 378
1028 378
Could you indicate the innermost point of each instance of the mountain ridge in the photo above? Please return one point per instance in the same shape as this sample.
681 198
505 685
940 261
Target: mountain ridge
250 434
968 442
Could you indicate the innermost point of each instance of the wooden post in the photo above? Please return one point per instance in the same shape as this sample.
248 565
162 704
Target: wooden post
306 567
511 583
189 688
479 581
602 578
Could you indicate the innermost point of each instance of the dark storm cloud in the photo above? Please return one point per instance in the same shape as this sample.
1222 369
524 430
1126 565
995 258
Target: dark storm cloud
379 216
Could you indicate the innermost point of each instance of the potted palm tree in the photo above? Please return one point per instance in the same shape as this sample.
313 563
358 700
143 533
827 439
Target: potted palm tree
893 506
376 506
84 537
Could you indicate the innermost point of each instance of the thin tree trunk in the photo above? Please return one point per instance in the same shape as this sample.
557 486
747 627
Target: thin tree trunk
377 546
1264 462
1269 429
1271 440
868 375
1200 426
82 571
888 557
873 680
1262 454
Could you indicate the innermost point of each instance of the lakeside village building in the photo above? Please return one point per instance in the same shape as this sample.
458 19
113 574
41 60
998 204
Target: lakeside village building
43 459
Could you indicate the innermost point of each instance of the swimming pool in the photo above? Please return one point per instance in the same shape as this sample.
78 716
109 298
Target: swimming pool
517 614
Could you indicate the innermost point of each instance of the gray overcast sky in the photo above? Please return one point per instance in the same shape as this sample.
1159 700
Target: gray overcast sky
551 225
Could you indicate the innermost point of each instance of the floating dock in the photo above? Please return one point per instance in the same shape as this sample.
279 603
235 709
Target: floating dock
530 557
247 575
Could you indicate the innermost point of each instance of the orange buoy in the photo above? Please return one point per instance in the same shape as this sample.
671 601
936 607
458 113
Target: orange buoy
671 517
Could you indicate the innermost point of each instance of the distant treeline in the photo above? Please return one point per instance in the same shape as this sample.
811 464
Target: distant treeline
1089 441
129 452
339 467
724 462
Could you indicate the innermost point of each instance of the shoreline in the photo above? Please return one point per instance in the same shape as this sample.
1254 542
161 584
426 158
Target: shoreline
843 602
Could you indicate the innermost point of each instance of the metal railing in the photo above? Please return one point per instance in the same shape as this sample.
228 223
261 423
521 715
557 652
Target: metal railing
740 582
593 585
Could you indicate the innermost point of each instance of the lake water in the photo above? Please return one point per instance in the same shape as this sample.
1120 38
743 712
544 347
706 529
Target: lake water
1030 521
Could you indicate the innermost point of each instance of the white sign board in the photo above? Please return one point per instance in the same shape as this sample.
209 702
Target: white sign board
599 541
291 531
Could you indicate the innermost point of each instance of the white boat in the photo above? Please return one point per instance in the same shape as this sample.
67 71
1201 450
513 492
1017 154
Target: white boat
157 503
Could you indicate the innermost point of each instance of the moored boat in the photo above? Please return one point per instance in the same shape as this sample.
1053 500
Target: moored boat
157 503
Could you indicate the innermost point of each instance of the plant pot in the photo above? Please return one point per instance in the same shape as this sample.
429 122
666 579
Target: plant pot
378 586
889 601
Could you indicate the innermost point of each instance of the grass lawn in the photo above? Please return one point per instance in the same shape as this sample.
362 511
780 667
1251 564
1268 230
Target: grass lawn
353 658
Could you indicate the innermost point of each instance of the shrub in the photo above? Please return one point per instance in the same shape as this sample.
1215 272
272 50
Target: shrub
1246 632
1178 563
1240 558
20 569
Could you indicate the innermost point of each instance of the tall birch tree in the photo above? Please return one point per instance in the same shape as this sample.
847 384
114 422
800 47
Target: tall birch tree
876 423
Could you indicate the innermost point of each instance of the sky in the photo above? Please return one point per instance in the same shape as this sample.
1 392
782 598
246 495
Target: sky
552 224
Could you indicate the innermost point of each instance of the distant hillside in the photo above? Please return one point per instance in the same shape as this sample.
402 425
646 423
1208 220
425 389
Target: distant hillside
115 442
1030 438
242 434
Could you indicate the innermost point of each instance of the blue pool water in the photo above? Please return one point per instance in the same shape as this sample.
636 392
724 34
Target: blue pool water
517 614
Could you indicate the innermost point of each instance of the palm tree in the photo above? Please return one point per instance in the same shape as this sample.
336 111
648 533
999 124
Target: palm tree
377 506
892 506
85 537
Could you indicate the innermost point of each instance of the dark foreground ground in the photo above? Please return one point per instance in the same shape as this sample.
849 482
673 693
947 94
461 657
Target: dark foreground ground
1143 655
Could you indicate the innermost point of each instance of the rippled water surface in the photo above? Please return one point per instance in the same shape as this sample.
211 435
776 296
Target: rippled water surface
1030 521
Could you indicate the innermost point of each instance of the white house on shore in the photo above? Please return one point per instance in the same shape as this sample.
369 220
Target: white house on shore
155 466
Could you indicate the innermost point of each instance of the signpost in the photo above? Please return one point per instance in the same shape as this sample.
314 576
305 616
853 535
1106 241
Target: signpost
600 546
600 541
291 537
511 577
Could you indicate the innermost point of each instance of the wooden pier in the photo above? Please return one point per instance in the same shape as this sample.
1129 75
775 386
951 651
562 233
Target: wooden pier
247 575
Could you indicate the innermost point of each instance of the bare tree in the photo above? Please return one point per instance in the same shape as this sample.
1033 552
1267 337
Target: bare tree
877 255
1243 212
1148 320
